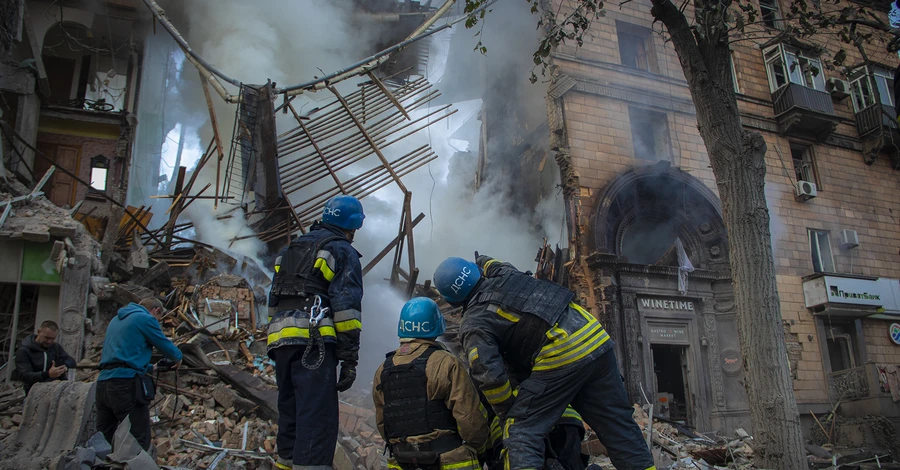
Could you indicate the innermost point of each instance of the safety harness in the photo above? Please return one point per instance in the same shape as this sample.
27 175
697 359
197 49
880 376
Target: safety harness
316 341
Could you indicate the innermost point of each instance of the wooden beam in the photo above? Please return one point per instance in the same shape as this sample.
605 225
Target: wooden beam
389 247
389 95
318 150
365 134
216 137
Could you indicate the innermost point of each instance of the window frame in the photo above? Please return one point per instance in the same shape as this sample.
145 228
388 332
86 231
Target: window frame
643 114
861 87
783 57
775 9
644 38
734 79
808 159
846 338
815 250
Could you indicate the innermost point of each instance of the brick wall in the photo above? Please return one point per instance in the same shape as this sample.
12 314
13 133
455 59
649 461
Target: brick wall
853 195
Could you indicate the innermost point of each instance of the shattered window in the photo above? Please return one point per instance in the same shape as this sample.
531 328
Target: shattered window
635 47
649 134
820 248
804 169
768 9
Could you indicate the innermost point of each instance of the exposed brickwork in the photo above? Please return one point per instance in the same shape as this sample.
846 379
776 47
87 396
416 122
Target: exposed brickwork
852 195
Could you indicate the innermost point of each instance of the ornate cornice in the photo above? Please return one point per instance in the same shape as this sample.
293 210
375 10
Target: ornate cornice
565 83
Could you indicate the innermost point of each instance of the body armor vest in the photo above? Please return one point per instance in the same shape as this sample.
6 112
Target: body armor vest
407 409
297 276
541 304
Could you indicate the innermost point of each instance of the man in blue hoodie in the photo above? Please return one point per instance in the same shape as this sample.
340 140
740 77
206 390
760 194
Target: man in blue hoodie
130 339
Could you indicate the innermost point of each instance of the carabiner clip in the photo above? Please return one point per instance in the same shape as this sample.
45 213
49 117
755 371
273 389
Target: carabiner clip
317 312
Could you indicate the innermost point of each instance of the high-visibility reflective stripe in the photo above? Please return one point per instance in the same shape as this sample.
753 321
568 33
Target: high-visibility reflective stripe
393 466
508 315
348 325
292 332
590 345
473 464
328 257
489 263
298 322
557 349
571 413
556 334
349 314
499 394
482 409
496 432
322 265
473 354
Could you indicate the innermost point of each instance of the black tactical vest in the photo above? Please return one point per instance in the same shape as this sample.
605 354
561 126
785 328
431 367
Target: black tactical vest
297 277
541 304
407 409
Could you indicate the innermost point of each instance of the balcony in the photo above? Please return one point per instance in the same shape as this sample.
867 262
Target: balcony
851 384
876 117
804 112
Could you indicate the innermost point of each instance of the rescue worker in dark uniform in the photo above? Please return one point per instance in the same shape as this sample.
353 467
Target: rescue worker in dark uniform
317 296
534 326
426 405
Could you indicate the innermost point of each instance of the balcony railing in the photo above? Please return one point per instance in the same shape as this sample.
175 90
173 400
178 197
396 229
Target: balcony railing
874 117
849 384
793 95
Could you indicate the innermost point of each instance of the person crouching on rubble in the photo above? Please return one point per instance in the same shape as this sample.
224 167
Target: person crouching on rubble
510 319
124 387
426 405
316 296
41 358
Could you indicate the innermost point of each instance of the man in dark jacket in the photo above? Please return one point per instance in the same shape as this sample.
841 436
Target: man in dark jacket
317 298
41 359
122 388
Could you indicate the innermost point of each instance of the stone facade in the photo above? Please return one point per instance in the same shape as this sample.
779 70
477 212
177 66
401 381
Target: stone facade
599 98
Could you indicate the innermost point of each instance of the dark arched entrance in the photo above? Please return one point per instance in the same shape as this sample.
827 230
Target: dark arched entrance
676 340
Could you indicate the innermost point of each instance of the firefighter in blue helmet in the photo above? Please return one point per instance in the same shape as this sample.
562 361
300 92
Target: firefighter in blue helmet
567 356
316 295
426 406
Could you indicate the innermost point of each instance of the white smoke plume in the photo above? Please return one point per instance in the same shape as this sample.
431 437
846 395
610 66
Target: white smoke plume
291 41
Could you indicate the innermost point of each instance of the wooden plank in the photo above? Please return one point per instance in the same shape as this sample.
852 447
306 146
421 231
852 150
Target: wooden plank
365 133
216 137
390 246
389 95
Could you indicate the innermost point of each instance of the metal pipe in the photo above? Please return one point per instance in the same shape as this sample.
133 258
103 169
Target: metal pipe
207 70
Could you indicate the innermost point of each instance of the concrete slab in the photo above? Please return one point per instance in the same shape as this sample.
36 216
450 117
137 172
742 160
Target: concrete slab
58 417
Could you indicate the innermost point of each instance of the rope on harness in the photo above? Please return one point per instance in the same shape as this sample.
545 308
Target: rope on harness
316 341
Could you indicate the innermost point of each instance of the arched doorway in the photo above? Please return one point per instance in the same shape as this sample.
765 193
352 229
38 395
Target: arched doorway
663 247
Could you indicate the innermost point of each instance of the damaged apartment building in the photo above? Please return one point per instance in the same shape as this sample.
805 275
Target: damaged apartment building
68 79
648 250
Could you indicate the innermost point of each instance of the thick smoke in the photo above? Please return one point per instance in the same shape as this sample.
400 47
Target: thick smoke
290 41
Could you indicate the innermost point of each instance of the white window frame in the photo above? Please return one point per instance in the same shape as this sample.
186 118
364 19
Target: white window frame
861 87
794 67
734 80
807 165
771 6
816 239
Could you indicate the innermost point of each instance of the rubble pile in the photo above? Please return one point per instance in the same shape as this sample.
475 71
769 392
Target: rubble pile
12 402
676 447
359 437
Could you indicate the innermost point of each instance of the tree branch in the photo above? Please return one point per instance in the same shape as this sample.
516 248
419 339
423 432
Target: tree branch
682 37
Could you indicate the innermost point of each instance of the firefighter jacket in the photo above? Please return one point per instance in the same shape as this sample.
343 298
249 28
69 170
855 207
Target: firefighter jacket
449 383
498 329
321 262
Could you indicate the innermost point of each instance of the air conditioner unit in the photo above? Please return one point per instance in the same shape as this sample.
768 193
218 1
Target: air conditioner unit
804 190
849 239
838 88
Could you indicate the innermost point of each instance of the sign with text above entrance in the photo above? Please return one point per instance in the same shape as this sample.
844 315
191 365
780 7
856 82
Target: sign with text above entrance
667 334
881 293
666 305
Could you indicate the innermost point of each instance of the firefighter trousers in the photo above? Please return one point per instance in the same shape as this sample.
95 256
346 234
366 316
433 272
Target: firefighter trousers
595 389
307 409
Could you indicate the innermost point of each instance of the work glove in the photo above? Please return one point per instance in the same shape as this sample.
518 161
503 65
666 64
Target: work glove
348 375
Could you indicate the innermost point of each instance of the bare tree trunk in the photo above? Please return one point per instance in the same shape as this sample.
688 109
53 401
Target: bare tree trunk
737 158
